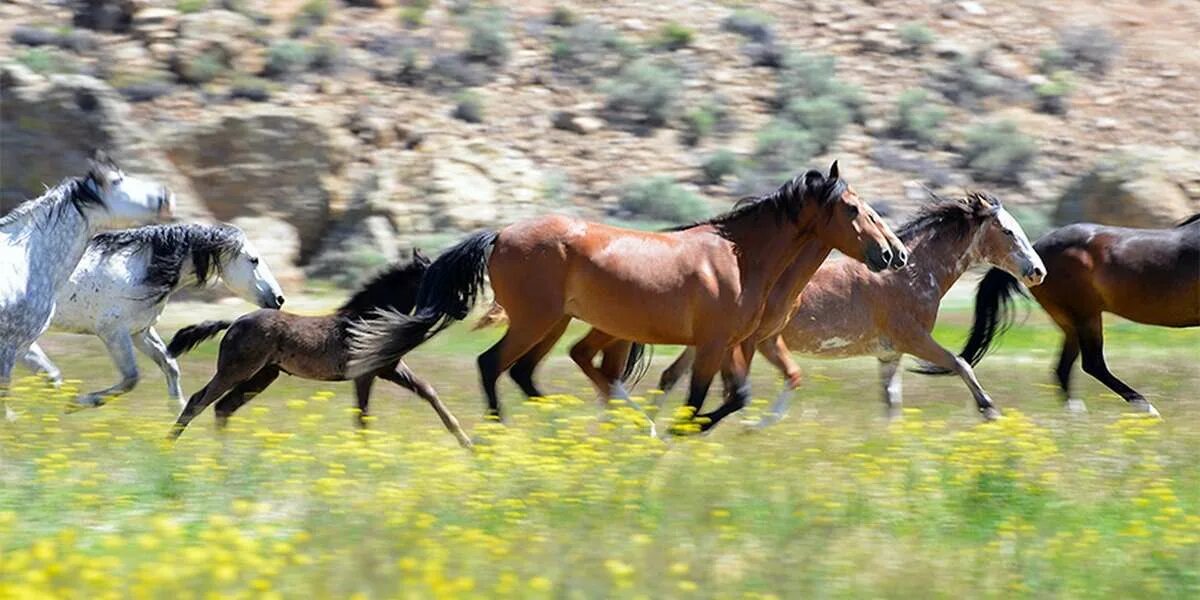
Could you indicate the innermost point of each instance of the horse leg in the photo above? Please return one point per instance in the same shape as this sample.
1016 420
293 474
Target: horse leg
235 364
926 348
1066 362
404 377
36 361
522 371
708 362
612 367
524 332
151 345
584 353
243 393
8 357
120 348
776 352
362 393
1091 342
673 373
736 372
890 379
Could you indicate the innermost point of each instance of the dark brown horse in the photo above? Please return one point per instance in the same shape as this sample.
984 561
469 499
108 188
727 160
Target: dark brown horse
702 285
1150 276
845 310
264 343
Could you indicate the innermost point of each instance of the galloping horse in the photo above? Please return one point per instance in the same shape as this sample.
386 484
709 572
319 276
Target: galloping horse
702 285
1149 276
42 240
124 281
847 311
266 342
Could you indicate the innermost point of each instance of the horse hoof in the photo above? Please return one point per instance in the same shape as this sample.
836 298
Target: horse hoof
990 413
1146 407
1075 405
10 415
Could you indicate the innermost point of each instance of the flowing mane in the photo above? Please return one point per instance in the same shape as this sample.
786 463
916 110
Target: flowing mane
1188 221
957 216
784 203
394 288
71 193
170 246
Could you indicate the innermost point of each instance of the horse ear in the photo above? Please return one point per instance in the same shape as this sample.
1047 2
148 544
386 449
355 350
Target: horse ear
419 257
100 164
833 170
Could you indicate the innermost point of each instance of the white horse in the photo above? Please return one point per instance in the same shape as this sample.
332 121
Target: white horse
42 240
124 281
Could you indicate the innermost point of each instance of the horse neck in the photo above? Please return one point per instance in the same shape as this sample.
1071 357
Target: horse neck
797 274
57 237
943 256
766 247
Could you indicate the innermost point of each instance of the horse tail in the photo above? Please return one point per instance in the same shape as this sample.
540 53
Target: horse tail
447 294
994 315
193 335
638 364
494 316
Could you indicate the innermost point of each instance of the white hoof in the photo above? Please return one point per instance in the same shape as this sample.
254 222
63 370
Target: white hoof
764 421
1075 405
10 415
990 413
1146 407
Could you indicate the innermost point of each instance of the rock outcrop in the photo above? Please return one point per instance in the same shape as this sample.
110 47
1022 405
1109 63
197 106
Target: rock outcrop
1137 186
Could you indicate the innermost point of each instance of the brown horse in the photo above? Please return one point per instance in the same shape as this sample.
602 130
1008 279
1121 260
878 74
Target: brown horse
702 285
1149 276
845 310
263 343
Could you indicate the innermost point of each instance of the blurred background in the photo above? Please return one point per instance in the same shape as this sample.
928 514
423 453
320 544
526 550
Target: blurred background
341 133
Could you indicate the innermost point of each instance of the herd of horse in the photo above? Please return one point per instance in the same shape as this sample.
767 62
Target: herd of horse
755 279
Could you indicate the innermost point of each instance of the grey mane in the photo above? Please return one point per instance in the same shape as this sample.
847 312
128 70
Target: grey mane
170 246
72 193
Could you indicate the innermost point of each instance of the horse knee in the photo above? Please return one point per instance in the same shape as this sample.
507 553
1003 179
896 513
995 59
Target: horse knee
582 355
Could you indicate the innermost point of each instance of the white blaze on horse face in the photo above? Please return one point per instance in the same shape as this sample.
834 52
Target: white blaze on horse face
1022 261
248 276
129 200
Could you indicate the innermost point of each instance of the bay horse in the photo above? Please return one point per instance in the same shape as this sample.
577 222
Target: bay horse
261 344
845 310
42 240
123 284
1149 276
702 285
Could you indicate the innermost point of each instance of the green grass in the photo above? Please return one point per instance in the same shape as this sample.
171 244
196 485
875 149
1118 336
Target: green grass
832 502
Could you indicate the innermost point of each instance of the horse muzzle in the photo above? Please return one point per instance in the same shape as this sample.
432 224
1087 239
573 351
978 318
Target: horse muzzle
1033 275
269 301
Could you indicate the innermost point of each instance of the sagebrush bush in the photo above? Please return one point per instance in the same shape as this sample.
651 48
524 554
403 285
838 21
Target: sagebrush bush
824 118
1053 94
998 151
674 36
705 119
918 119
487 37
203 67
916 36
255 89
661 199
718 166
751 23
781 148
469 107
412 12
287 57
587 51
563 16
644 93
47 61
1088 49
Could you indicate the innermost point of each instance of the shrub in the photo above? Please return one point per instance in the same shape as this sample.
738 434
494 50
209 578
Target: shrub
998 152
751 23
562 16
247 87
1052 94
823 117
644 93
487 38
203 67
966 82
698 124
191 6
805 76
661 199
917 119
324 56
412 13
916 36
469 107
719 165
287 57
315 11
1088 49
142 87
781 148
47 61
674 36
450 71
588 51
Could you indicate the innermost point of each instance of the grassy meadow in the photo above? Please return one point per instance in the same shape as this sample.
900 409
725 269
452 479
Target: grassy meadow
292 502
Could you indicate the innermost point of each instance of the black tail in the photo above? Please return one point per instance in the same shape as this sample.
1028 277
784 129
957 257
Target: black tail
447 294
191 336
993 316
637 364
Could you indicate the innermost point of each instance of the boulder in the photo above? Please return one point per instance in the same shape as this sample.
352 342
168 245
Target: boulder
364 236
1136 186
265 161
49 127
224 34
278 243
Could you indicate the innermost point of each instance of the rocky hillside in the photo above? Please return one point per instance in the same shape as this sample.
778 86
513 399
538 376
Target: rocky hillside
340 133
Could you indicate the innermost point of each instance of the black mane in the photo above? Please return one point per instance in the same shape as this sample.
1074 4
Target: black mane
395 288
170 246
784 203
957 216
76 193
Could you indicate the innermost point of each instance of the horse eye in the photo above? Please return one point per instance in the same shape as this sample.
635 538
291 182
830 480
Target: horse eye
254 261
853 211
1009 233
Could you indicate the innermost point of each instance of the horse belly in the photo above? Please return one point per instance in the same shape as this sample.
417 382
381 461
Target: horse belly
633 303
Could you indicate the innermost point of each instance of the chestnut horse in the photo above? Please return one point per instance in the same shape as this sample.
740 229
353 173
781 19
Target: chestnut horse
702 285
1149 276
847 311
